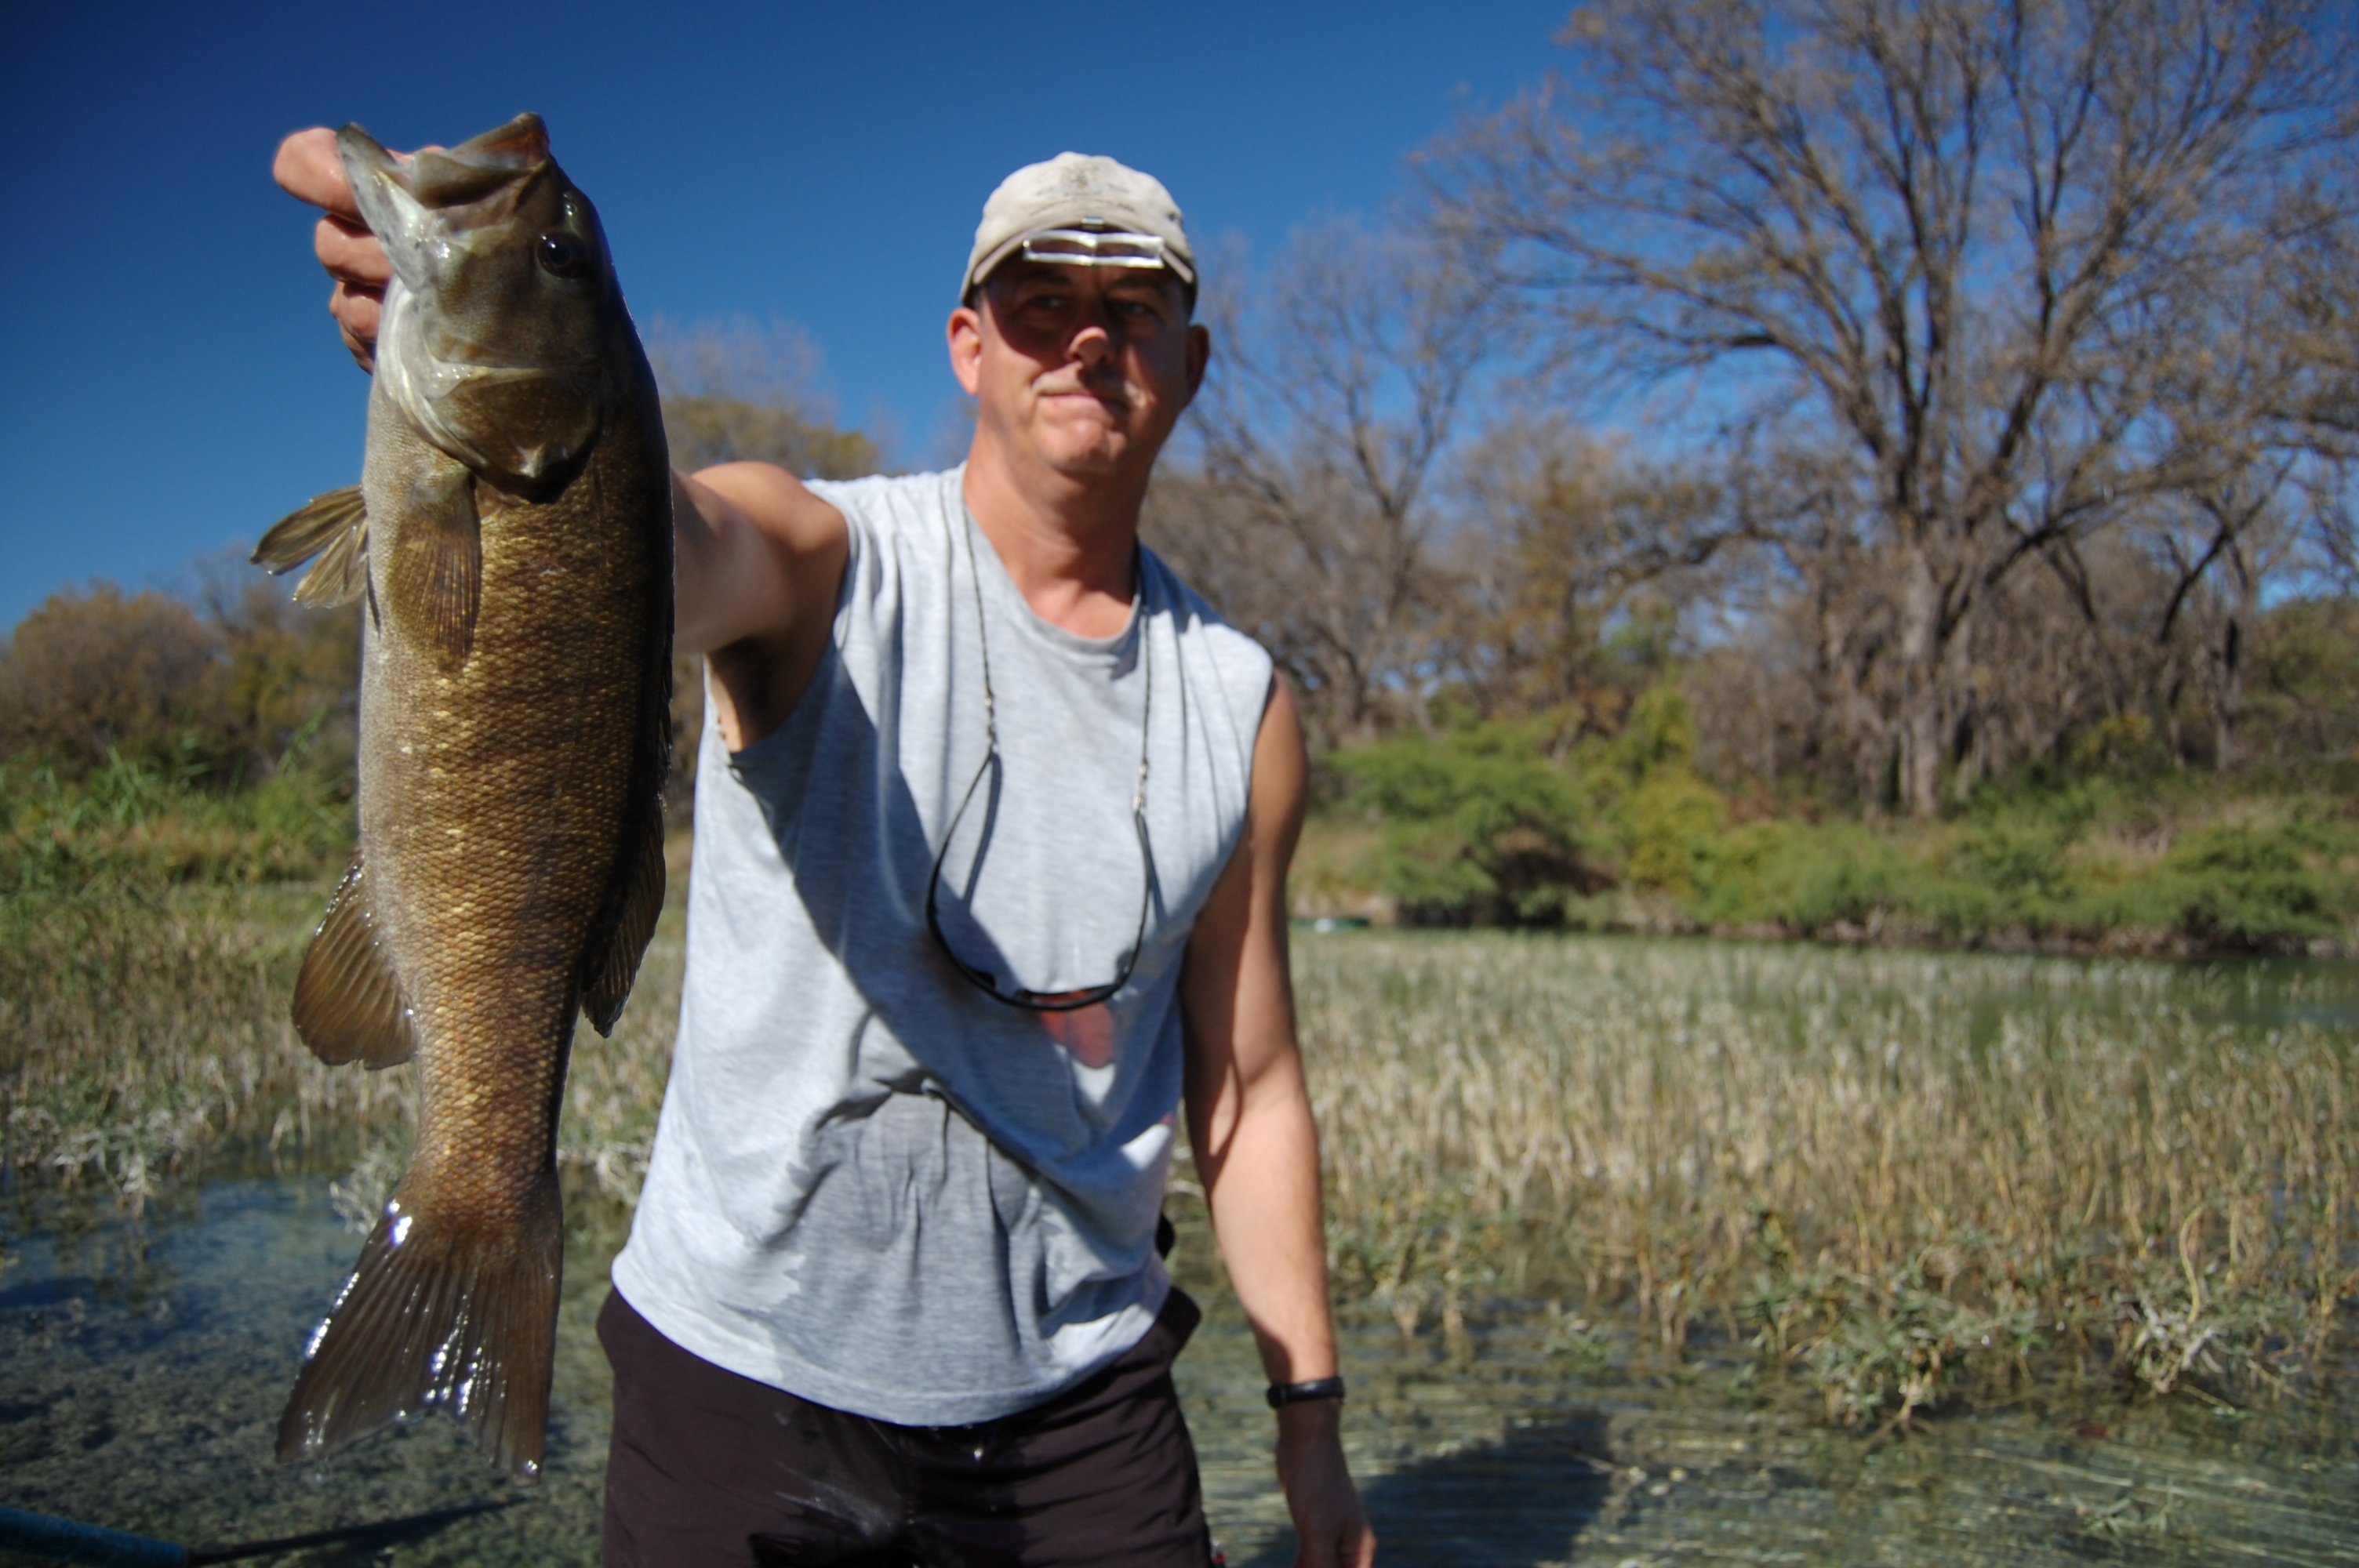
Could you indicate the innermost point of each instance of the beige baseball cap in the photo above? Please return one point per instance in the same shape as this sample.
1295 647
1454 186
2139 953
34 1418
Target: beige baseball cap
1080 211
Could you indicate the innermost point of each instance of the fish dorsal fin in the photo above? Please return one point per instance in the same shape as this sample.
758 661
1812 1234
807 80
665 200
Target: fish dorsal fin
434 580
335 524
615 963
348 1002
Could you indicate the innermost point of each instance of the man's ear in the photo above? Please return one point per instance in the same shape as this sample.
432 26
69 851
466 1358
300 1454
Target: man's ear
1200 356
964 333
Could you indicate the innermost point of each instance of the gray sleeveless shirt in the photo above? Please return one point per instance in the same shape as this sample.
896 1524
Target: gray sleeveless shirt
873 1185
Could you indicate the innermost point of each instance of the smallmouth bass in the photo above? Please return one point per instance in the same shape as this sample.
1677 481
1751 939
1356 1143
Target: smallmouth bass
511 542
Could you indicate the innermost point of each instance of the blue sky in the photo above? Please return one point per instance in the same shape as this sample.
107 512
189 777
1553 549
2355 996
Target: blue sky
170 382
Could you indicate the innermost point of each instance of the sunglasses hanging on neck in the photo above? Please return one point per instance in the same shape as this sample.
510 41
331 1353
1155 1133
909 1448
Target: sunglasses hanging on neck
986 980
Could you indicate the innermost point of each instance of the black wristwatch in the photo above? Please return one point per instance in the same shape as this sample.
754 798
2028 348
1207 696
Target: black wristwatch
1283 1394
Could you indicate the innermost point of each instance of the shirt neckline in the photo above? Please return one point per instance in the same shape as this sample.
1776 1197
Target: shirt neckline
1001 594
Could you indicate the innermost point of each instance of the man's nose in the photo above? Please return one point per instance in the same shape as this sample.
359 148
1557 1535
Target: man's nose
1093 343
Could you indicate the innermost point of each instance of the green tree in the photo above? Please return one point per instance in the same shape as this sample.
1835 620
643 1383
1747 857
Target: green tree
1479 824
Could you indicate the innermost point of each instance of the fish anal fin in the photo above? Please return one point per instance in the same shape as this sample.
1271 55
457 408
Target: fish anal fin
434 581
614 962
444 1312
348 1002
335 527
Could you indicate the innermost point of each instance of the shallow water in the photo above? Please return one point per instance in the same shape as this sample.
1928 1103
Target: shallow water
143 1365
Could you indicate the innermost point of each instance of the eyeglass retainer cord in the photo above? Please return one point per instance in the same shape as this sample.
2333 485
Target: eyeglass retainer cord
985 980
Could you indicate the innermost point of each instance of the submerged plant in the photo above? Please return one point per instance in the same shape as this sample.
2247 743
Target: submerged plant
1896 1173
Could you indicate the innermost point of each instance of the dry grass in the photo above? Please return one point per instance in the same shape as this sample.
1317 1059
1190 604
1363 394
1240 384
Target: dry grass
1884 1168
1887 1170
142 1025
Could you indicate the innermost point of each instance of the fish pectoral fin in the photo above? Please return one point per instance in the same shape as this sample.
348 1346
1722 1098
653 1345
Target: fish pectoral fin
434 581
445 1312
335 527
615 963
348 1002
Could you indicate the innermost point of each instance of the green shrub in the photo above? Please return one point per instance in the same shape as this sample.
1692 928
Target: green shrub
2252 885
1671 823
1808 878
1478 823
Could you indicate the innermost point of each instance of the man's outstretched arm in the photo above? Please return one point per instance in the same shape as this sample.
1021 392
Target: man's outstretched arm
1256 1149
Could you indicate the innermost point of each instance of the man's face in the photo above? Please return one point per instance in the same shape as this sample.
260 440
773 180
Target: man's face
1083 369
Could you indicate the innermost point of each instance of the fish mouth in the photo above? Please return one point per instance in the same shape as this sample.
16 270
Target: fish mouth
477 184
443 177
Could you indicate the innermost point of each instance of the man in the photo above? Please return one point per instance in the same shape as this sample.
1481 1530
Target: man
892 1293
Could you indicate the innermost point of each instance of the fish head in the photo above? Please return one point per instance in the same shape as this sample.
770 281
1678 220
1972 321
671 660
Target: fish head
503 295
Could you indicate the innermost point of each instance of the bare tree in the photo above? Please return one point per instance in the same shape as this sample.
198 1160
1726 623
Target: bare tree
734 391
1949 234
1311 513
1564 534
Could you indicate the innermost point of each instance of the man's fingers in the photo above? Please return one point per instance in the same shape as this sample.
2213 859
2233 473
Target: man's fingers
357 312
351 253
310 170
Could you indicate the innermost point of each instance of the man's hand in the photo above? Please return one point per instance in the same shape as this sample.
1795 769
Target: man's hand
1329 1520
310 170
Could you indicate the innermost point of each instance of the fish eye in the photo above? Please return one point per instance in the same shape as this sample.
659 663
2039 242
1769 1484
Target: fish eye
562 256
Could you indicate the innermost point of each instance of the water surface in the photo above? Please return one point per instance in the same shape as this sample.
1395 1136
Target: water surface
143 1365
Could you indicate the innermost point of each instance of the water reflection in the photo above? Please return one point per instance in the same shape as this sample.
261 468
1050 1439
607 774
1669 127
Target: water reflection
1490 1452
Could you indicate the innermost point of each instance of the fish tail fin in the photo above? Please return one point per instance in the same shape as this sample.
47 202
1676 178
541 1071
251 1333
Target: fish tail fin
441 1312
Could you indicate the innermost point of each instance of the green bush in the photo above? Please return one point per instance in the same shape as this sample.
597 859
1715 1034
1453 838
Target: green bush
1503 823
1671 823
1808 878
2242 883
1479 823
132 822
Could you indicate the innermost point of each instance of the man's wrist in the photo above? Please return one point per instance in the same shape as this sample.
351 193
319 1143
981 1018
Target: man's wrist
1281 1395
1314 1423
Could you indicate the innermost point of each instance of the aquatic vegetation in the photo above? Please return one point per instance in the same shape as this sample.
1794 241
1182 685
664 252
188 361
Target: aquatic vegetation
1893 1173
1897 1176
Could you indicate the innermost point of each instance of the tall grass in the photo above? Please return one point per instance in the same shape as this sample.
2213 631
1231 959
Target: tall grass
150 933
1894 1172
1888 1169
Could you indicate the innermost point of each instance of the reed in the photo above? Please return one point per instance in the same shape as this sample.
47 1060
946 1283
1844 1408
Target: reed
1893 1171
1896 1173
140 1030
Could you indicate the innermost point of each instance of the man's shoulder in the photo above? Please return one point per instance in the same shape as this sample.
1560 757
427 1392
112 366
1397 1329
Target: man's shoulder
883 500
1244 663
1193 610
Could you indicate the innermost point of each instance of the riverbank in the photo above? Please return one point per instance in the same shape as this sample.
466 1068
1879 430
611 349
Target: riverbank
2175 867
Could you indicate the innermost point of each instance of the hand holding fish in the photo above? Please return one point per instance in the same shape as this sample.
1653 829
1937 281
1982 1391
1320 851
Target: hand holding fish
310 168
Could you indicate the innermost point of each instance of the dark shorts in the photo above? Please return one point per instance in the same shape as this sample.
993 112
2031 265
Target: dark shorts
710 1468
